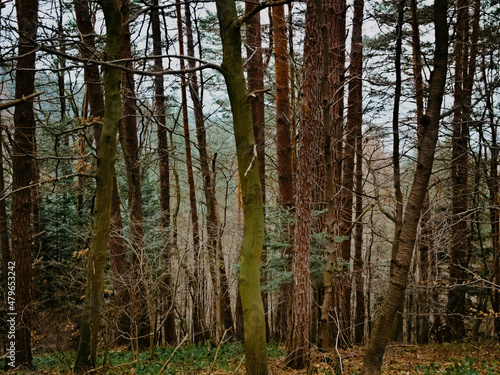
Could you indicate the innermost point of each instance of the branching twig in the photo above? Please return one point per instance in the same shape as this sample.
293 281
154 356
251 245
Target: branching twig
217 351
172 355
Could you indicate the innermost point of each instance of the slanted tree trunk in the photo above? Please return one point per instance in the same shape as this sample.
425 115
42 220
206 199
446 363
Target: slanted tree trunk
382 330
95 99
22 176
253 210
87 350
354 126
166 290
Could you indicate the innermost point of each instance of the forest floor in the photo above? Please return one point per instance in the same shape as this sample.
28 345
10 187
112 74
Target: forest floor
447 359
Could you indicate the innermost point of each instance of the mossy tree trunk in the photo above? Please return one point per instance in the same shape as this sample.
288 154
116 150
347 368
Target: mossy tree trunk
253 210
87 349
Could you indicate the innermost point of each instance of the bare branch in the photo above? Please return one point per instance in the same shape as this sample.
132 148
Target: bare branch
19 101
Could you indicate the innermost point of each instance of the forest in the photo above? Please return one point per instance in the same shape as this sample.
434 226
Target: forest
272 186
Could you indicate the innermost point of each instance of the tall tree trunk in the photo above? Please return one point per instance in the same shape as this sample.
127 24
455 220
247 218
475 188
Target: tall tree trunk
22 176
398 216
87 350
284 152
424 240
167 292
298 350
140 329
465 63
382 330
335 310
95 100
199 334
354 125
253 209
255 86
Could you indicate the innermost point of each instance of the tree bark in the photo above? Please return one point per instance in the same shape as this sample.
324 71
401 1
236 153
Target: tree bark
354 126
424 240
284 153
398 216
199 334
87 350
22 175
336 302
298 350
382 330
253 210
141 327
465 56
170 330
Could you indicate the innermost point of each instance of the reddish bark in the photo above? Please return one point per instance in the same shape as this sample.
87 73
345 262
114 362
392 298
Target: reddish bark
22 176
298 350
354 126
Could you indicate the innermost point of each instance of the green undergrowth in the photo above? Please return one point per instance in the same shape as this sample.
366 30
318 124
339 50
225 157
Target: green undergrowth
188 359
460 367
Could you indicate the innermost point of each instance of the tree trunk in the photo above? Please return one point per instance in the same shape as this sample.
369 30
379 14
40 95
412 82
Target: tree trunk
424 241
140 329
199 335
87 350
336 302
354 126
398 216
91 72
465 56
167 292
253 210
382 330
22 176
255 86
284 153
119 267
298 350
